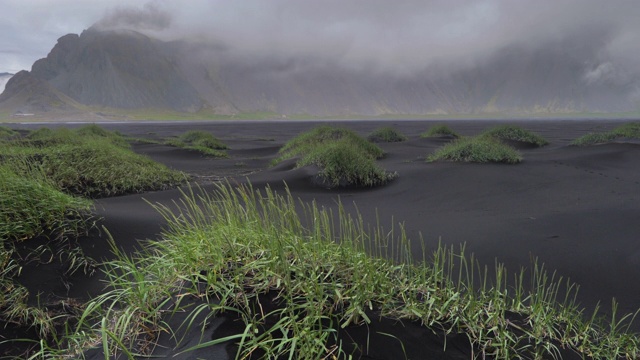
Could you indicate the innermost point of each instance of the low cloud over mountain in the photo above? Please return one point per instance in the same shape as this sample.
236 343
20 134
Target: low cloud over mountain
344 58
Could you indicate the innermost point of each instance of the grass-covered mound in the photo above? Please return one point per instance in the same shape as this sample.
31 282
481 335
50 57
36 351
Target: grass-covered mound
307 141
31 206
6 132
201 141
477 149
98 168
386 134
343 157
626 131
276 265
440 131
87 161
594 138
515 133
342 163
37 174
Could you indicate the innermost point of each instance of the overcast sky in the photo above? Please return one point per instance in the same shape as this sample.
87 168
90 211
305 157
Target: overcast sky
394 35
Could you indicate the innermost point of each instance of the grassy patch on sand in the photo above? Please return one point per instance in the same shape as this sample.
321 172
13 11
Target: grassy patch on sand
628 131
342 163
305 142
275 264
88 161
343 157
31 206
386 134
515 133
6 132
439 131
200 141
41 176
477 149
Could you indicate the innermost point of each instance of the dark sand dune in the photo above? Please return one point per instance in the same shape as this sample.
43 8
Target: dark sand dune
577 210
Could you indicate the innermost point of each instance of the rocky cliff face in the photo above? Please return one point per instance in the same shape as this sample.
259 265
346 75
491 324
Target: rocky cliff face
116 69
128 70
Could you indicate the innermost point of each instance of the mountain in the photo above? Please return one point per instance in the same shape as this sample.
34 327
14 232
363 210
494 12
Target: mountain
4 77
28 94
128 70
116 69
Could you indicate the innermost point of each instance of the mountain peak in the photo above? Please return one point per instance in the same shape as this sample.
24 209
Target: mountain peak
118 69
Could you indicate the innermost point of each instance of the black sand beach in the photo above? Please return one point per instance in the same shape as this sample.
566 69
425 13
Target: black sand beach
575 209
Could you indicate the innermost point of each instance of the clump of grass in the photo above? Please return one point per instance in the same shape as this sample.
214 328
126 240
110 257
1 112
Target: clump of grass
440 130
88 162
14 310
7 133
386 134
36 174
93 130
233 247
343 163
99 168
307 141
42 133
343 157
594 138
31 206
44 137
515 133
628 130
201 141
477 149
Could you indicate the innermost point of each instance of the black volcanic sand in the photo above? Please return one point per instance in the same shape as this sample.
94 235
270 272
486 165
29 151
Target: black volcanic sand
575 209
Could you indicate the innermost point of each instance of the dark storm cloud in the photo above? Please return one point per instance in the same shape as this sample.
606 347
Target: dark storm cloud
405 36
399 36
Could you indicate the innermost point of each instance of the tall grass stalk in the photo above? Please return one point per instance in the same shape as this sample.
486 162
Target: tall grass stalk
296 273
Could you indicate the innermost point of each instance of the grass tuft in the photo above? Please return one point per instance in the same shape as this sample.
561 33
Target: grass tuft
295 274
594 138
98 168
477 149
307 141
32 206
440 130
342 163
515 133
628 131
343 157
7 133
386 134
36 174
89 162
201 141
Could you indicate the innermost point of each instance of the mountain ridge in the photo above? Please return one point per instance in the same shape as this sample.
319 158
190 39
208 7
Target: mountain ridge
128 70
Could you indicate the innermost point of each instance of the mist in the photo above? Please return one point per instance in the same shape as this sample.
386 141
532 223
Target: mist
400 37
